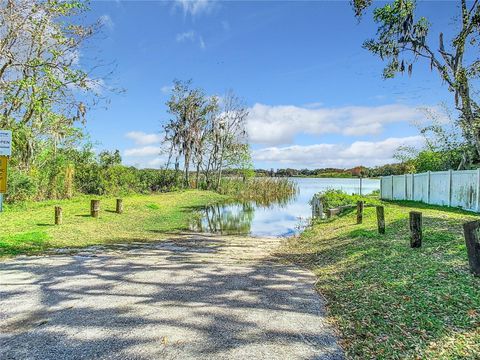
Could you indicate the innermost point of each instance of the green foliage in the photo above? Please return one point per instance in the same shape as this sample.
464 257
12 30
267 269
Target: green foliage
69 171
390 301
21 186
27 228
264 191
401 41
335 198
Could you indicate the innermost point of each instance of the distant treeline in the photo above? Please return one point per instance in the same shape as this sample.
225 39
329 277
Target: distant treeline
384 170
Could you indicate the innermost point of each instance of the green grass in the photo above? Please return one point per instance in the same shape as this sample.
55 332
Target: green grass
29 228
390 301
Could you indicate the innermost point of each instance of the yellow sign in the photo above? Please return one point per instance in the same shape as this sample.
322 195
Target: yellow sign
3 174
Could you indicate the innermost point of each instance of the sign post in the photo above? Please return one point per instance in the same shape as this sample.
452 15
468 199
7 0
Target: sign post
5 152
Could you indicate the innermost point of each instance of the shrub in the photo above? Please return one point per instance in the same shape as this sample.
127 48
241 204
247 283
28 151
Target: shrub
21 187
336 198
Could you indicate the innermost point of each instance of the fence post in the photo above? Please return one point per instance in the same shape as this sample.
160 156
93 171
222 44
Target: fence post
405 180
450 176
94 208
381 219
413 187
415 229
392 189
428 187
320 208
381 187
58 215
119 208
478 190
359 212
470 230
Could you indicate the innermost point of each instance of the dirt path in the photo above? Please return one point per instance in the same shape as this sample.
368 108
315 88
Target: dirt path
199 297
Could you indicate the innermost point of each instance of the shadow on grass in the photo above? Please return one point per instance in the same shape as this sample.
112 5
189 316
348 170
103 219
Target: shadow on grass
420 205
380 288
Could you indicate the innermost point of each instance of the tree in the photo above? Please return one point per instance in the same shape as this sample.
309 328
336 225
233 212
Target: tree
186 131
109 158
44 92
444 149
229 140
207 134
402 39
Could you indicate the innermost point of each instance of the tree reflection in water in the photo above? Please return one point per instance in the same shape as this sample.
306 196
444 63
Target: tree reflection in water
234 217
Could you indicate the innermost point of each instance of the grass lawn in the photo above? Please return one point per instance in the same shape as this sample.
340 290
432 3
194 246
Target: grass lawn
29 228
390 301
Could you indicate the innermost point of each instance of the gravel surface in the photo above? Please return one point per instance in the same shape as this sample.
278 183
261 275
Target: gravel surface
195 297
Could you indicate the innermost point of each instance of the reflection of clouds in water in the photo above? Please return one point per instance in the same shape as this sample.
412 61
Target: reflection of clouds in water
276 220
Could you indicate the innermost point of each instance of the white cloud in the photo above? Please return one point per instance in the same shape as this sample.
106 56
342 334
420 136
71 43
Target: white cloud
195 7
141 138
191 36
142 151
202 43
276 125
367 153
186 36
107 21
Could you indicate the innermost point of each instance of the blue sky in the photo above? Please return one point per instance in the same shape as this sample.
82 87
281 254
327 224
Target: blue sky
316 97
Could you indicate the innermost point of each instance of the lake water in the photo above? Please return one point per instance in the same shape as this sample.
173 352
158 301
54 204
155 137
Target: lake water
277 219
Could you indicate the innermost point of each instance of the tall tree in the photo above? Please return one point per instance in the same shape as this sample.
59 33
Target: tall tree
186 130
207 133
403 39
44 92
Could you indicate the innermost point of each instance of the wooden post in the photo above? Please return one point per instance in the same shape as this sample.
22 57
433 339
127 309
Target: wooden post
415 229
381 219
359 212
119 208
470 230
58 215
94 208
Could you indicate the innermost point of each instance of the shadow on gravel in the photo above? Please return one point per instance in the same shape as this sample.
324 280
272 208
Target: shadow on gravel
160 300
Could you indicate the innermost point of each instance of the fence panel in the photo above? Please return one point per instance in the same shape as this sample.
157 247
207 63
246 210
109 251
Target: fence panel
386 188
439 188
399 187
464 189
409 187
446 188
420 187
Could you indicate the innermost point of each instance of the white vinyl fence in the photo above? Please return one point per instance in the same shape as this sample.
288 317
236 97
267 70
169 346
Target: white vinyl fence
448 188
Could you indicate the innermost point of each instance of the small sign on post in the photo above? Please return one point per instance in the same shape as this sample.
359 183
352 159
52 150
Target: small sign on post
5 151
5 143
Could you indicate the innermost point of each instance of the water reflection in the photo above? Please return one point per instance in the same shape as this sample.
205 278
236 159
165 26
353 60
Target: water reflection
225 219
275 218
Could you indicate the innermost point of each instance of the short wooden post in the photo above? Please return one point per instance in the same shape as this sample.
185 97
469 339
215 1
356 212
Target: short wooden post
330 213
119 208
94 208
359 212
381 219
58 215
470 230
415 229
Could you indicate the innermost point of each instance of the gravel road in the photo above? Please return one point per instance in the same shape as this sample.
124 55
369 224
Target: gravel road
194 297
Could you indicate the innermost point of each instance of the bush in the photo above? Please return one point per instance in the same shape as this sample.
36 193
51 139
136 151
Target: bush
336 198
21 187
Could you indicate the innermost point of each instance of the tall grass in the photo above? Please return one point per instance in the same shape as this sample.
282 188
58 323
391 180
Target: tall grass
263 191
